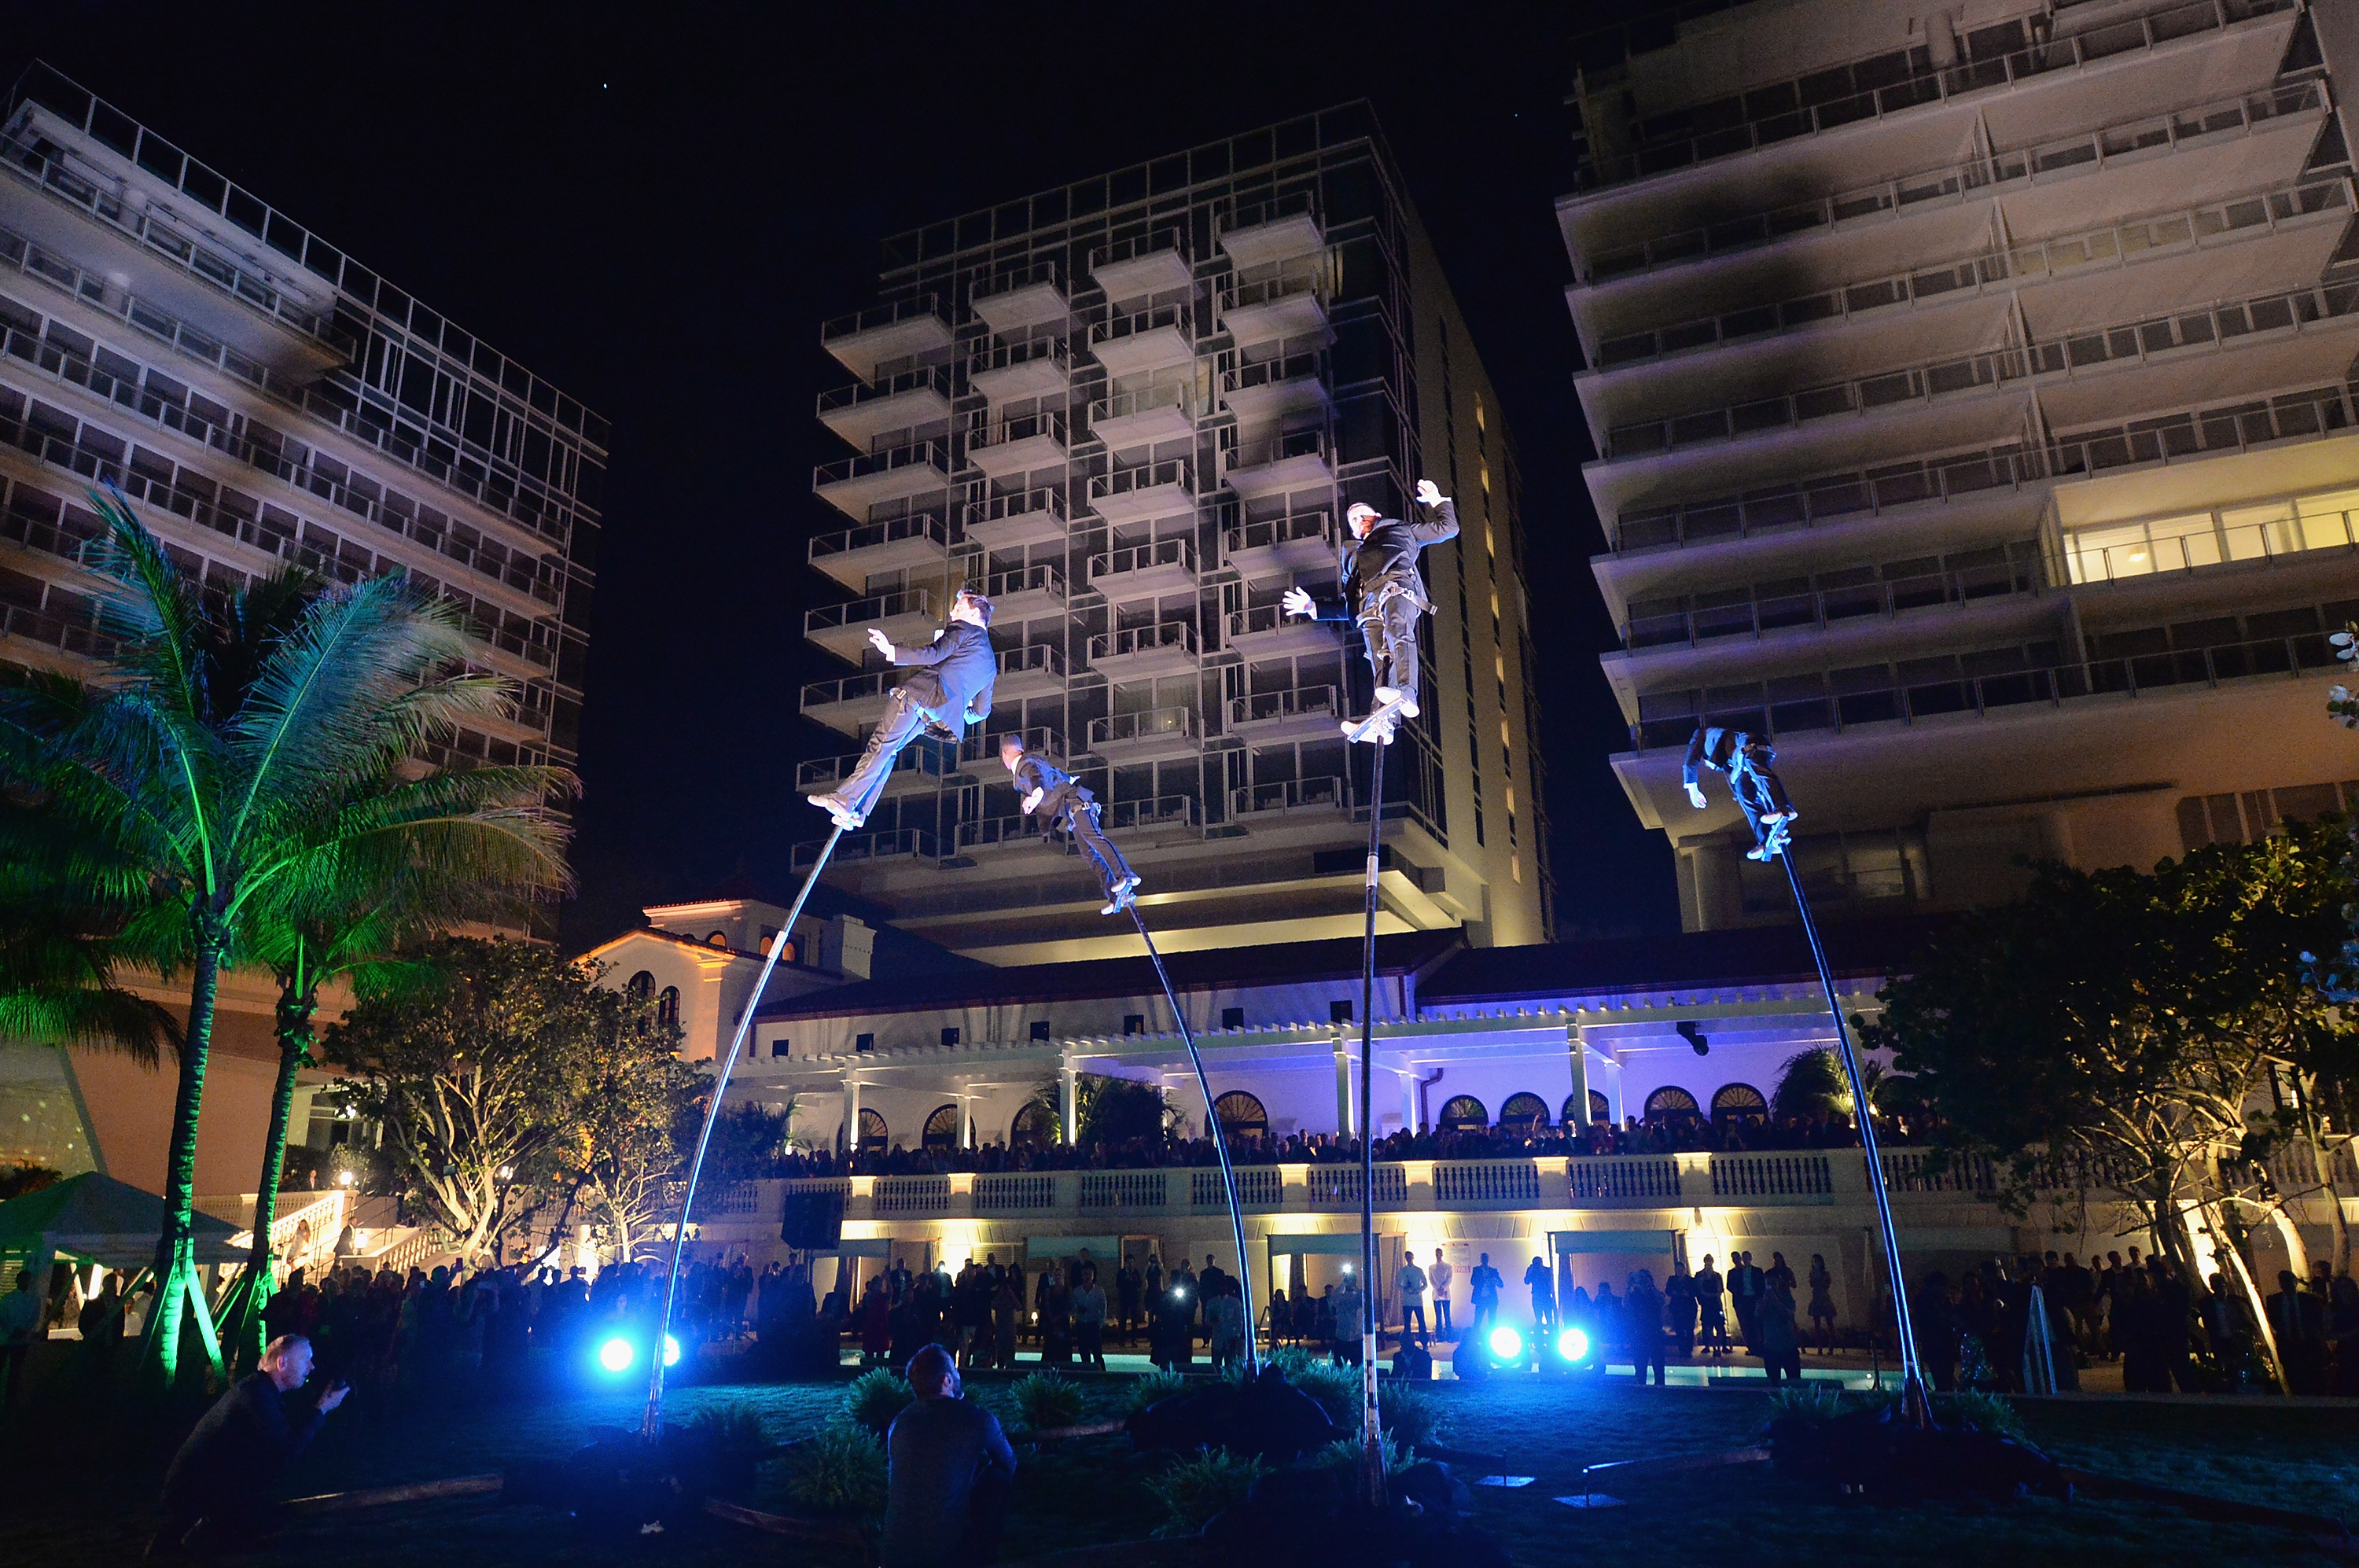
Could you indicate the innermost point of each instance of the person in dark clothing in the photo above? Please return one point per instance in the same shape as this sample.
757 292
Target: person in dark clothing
1642 1323
1934 1317
951 690
2298 1320
1051 794
1379 587
949 1469
1747 760
217 1492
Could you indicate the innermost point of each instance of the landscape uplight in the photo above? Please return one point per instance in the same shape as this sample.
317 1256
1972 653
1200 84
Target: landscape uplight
616 1355
1507 1343
1573 1344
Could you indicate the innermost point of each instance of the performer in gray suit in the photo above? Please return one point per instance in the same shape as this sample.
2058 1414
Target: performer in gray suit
951 690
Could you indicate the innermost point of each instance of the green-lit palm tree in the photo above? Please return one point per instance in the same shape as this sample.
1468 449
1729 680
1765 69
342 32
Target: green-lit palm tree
202 764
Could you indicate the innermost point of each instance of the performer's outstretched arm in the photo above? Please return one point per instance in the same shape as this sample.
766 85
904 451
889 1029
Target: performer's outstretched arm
1442 525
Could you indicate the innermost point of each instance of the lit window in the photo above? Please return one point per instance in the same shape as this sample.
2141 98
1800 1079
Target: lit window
1516 866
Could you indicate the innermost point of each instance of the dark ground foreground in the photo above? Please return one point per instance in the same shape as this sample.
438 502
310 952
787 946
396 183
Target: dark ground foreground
2303 1457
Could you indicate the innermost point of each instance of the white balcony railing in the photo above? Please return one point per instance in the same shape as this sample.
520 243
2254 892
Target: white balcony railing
1276 707
1167 638
1142 728
1325 796
1162 811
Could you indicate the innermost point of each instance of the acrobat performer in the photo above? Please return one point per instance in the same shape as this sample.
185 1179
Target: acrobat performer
952 689
1378 585
1061 803
1746 759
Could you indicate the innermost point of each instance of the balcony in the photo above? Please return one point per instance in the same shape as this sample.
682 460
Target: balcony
1831 497
899 844
919 543
1028 593
1037 670
1149 737
1268 390
1019 445
1144 571
1040 740
1162 814
922 767
854 485
1324 796
2119 551
1290 307
853 705
1017 521
1146 342
1690 622
864 411
1150 264
1278 465
1273 230
1013 830
1267 718
1267 631
903 330
1142 653
1028 297
912 615
1142 495
1010 373
1131 419
1283 547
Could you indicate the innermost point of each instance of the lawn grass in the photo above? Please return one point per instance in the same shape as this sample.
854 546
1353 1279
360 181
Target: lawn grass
2299 1457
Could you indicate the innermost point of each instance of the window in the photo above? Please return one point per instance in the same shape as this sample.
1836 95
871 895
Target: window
940 1130
1242 1116
1233 1018
1739 1103
640 986
1339 1012
863 1042
1668 1104
779 1047
1525 1114
1134 1023
667 1008
950 1036
1041 1030
1035 1126
1464 1113
1599 1111
872 1129
718 938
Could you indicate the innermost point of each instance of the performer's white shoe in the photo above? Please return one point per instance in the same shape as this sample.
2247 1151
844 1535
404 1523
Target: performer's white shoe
837 807
1120 896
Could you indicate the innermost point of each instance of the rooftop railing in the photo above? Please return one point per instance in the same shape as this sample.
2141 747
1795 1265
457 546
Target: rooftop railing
1819 608
1324 795
1826 100
926 526
2112 244
1958 182
1123 644
889 314
2209 327
1792 707
929 378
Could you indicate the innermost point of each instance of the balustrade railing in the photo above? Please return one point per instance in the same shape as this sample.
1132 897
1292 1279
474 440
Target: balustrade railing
1020 1193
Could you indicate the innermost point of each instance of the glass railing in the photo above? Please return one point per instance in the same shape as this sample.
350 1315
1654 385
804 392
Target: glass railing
1041 577
1033 658
2113 244
2207 327
1301 702
1793 706
1171 471
1179 552
849 688
923 759
1031 351
935 379
2210 541
1180 318
1139 247
932 454
1825 606
2233 427
1826 498
1308 366
1161 812
1253 214
1271 532
1265 450
877 607
1017 427
1293 285
1147 400
1117 728
1264 618
926 526
1324 795
989 282
1162 636
1804 117
1958 182
891 314
895 844
1023 503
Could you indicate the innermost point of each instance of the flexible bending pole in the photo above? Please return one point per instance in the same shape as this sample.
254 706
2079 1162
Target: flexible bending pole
1371 1435
1912 1383
653 1424
1220 1143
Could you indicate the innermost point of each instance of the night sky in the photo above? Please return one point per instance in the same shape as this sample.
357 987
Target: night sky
655 215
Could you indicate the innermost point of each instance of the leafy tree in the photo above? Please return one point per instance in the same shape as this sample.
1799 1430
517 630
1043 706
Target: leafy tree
1811 1084
195 775
624 1142
1109 1110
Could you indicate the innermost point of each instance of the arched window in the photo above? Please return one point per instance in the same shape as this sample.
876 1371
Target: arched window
1523 1114
718 938
1242 1116
1464 1113
667 1008
1599 1111
640 986
872 1129
1739 1103
941 1129
1668 1104
1035 1128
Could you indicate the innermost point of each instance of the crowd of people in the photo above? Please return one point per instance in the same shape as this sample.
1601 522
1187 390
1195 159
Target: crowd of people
1661 1135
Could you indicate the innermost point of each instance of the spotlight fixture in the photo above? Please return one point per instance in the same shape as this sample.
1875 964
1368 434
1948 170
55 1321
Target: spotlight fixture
616 1355
1573 1344
1694 1037
1507 1343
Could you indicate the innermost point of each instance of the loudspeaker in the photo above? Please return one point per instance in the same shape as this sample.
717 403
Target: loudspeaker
814 1221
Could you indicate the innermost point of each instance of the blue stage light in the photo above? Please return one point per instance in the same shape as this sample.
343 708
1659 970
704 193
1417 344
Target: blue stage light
671 1351
1507 1343
616 1355
1573 1344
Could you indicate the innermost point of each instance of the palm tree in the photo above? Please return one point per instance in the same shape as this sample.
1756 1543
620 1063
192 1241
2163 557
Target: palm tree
203 764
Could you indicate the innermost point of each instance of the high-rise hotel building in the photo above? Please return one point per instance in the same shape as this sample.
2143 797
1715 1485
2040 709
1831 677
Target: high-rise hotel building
1132 410
264 399
1973 387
